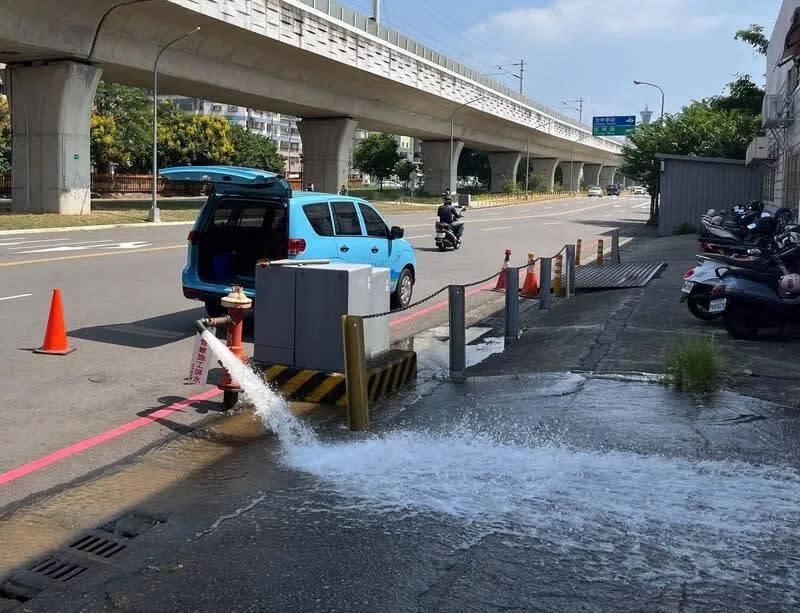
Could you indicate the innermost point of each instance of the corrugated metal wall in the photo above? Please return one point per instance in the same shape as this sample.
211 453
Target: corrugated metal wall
690 187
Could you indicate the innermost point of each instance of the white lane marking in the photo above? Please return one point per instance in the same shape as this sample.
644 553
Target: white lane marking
14 297
70 244
43 240
546 208
640 206
498 228
617 206
551 223
609 215
409 238
131 245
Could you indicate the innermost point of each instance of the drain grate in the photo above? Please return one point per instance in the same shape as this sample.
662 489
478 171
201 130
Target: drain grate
57 569
97 545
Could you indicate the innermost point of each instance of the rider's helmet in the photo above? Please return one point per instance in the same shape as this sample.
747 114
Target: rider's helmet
790 283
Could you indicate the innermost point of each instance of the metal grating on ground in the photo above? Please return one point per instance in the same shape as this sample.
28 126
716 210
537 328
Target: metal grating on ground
611 276
97 545
57 569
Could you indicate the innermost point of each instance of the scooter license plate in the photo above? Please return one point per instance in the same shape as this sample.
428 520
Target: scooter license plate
687 287
717 305
440 235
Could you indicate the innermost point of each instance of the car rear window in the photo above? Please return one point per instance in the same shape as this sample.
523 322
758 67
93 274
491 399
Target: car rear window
346 219
373 221
249 214
319 216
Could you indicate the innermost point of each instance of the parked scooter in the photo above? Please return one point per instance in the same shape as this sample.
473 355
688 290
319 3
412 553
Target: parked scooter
755 299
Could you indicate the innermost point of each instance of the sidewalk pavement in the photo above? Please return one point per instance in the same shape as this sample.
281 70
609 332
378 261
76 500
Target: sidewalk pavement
629 330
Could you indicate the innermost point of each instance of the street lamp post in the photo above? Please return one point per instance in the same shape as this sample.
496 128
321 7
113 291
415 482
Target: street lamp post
154 214
658 88
452 130
100 23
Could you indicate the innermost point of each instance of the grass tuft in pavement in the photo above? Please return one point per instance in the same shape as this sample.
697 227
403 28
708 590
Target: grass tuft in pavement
694 364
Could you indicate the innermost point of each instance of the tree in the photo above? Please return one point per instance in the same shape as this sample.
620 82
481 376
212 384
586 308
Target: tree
377 155
405 169
254 151
743 94
5 135
131 109
472 163
105 146
193 140
754 36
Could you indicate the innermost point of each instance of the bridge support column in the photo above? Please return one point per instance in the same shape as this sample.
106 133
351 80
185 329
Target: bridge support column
607 175
51 106
504 168
546 167
436 157
591 174
326 151
571 172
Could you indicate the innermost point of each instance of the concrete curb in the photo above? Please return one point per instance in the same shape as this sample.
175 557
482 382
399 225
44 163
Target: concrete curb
144 224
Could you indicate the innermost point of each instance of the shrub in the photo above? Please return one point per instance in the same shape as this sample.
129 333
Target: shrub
693 364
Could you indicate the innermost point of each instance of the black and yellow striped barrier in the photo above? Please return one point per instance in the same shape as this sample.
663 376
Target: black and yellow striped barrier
386 374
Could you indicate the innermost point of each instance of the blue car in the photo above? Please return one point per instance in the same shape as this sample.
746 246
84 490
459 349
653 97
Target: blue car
252 215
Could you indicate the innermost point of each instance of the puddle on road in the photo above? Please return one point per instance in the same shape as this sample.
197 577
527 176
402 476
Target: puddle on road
433 351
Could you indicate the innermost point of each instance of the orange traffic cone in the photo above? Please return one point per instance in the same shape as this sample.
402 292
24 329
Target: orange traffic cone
501 280
55 337
530 289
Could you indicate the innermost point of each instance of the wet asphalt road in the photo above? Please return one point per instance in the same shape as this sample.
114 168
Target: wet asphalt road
531 493
132 327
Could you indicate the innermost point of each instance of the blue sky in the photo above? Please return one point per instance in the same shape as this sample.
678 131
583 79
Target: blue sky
593 48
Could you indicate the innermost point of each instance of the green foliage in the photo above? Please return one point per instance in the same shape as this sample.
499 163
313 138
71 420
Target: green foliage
754 36
743 95
193 140
105 145
699 129
693 365
472 163
254 151
5 135
377 155
405 169
131 109
510 186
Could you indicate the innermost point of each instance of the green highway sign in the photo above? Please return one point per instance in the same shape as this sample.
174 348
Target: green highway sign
615 125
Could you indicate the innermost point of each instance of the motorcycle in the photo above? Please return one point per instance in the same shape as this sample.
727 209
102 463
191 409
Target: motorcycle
445 237
699 281
755 299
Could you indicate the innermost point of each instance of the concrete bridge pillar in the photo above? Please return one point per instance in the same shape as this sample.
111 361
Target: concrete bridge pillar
436 158
504 166
607 175
591 174
326 151
546 167
51 106
571 172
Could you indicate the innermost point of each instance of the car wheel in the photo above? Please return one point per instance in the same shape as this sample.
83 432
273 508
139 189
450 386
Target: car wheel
214 308
699 308
401 297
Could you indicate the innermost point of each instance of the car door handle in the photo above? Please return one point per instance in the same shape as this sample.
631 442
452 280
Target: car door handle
375 250
344 248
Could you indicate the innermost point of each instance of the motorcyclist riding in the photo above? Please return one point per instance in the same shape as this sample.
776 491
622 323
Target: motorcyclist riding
450 215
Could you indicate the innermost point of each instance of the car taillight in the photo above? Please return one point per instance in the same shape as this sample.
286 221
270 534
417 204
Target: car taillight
718 289
688 273
192 238
296 246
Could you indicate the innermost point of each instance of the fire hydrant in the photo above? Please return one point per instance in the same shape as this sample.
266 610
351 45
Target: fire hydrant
237 303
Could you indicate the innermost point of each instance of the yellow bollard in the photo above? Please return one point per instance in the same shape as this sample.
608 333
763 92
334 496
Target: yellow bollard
578 249
600 252
355 372
558 271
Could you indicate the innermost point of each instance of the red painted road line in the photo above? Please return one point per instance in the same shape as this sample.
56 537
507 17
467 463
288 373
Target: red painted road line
61 454
437 306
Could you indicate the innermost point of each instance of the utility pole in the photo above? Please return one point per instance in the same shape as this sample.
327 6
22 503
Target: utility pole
376 11
579 108
521 74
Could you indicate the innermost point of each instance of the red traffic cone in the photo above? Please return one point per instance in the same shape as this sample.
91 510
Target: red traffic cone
530 289
55 336
501 280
